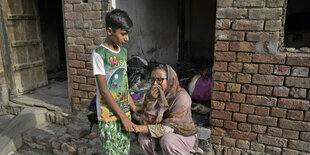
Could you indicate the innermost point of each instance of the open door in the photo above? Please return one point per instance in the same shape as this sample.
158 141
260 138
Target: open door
26 56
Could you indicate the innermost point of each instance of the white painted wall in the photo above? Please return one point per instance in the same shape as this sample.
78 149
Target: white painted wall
155 29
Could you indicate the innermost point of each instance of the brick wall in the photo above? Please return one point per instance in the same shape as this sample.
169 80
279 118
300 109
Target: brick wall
260 95
84 31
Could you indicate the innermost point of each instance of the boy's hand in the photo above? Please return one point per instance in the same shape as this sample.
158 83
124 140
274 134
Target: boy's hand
153 92
128 125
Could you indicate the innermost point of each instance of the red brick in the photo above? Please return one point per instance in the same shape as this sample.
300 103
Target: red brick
265 13
75 85
91 81
230 125
275 3
290 134
78 79
85 72
259 128
249 3
232 107
78 93
295 115
242 46
77 63
221 46
273 141
73 71
299 60
244 57
221 114
83 57
244 78
262 36
282 70
294 104
222 76
75 100
91 94
244 127
298 93
220 96
257 147
95 33
247 109
268 80
250 68
243 144
232 13
278 112
249 89
216 139
287 151
268 58
229 35
305 136
225 56
81 7
299 145
235 67
300 71
222 24
239 98
216 123
242 135
297 82
239 117
262 111
83 41
261 100
264 90
73 16
307 116
228 141
273 25
76 131
233 87
281 91
218 131
218 105
92 15
248 24
262 120
87 87
294 125
72 56
272 131
273 150
219 86
265 69
75 33
220 66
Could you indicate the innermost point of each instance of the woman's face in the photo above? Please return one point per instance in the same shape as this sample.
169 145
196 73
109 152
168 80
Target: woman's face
159 77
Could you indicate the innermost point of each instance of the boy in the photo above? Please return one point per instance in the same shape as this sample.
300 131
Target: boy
113 99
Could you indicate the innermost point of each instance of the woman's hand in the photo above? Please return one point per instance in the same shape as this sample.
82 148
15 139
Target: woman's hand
153 93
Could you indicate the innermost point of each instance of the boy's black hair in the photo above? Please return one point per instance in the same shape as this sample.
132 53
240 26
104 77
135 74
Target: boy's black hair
118 19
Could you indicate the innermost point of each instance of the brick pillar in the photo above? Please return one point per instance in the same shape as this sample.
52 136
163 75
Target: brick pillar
84 31
260 94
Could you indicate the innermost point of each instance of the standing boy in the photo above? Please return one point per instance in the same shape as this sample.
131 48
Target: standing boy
113 99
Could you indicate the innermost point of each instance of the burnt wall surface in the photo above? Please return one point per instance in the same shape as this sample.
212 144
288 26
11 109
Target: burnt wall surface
84 30
260 94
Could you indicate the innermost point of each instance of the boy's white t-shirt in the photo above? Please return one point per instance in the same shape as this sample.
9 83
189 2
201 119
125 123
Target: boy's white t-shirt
98 69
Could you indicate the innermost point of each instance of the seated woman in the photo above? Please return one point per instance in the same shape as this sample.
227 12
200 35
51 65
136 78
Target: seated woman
166 116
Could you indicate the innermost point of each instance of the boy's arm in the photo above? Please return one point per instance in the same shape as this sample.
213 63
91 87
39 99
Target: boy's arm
104 91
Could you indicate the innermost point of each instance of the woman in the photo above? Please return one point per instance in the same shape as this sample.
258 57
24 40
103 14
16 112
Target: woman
167 117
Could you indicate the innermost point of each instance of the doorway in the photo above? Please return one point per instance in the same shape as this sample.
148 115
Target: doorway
35 57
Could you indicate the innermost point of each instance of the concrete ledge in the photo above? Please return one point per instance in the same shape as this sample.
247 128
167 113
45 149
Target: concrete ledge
10 137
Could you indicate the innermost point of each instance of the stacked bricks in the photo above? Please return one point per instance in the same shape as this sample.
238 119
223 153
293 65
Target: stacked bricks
260 101
84 31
